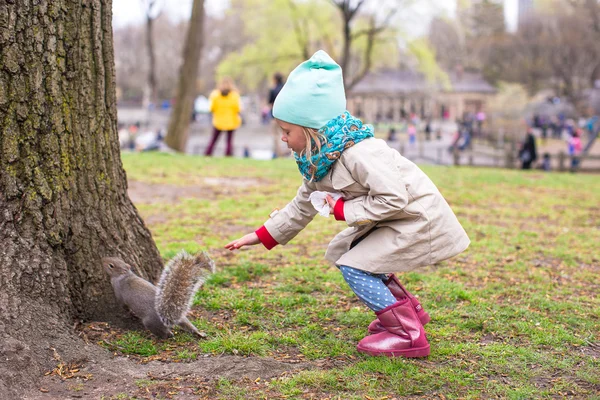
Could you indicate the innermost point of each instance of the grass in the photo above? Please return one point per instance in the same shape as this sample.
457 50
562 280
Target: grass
515 316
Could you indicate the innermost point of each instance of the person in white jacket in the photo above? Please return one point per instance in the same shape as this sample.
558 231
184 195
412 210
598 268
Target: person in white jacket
398 220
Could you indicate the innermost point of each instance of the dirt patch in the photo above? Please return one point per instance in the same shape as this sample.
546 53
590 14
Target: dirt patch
148 193
210 188
97 378
534 177
552 380
488 339
108 372
592 349
233 182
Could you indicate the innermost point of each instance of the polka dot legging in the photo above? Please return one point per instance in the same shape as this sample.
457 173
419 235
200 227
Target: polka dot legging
369 287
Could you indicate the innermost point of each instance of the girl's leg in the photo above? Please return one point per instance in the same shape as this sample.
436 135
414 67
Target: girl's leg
402 333
369 288
229 151
213 141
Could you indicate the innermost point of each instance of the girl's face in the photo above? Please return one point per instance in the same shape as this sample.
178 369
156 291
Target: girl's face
293 135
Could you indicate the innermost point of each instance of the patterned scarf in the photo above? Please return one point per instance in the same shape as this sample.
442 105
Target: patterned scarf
341 132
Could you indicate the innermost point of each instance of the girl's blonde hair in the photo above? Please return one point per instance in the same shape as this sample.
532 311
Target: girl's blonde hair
226 83
314 141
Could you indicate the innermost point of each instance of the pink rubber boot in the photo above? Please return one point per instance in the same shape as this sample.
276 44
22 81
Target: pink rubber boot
404 335
399 293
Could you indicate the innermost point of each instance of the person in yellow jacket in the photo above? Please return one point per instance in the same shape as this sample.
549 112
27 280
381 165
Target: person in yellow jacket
225 107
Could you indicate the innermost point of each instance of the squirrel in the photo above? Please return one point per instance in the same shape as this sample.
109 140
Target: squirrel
163 306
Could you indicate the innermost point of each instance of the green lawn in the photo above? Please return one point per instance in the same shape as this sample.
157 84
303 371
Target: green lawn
515 316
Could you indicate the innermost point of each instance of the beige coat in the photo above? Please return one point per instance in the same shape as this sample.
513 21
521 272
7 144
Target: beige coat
383 190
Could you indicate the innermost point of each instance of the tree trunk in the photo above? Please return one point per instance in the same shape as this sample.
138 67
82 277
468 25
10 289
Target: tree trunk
63 190
594 76
152 61
347 13
347 40
179 123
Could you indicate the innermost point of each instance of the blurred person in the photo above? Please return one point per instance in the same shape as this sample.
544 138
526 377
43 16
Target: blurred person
570 126
265 114
480 116
465 139
590 124
275 130
412 134
546 165
397 219
545 125
575 147
414 119
455 139
156 142
124 136
133 133
562 124
225 105
528 153
428 129
391 135
468 121
537 121
555 127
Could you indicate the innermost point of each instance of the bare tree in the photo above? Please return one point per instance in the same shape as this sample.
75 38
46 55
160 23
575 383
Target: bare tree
574 54
63 190
479 29
349 10
447 42
169 38
588 11
556 50
132 73
529 62
180 117
153 11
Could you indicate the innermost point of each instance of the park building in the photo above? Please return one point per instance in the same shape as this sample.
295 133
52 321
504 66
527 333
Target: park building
392 95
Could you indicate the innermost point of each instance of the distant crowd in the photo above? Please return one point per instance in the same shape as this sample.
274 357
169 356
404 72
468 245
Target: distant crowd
557 126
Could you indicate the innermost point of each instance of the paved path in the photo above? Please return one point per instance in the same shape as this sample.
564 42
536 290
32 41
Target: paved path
257 139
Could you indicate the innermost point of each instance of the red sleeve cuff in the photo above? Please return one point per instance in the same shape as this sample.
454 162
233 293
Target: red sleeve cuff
338 210
265 238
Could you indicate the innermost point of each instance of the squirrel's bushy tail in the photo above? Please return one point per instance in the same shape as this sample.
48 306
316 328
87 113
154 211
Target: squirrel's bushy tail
182 277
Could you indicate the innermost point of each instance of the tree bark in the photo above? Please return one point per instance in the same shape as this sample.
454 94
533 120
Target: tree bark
63 190
151 61
179 123
152 84
348 12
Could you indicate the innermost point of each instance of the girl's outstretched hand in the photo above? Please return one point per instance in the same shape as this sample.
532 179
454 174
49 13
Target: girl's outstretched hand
331 203
248 240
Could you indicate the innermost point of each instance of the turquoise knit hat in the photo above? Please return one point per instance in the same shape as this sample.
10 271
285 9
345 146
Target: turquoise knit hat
313 93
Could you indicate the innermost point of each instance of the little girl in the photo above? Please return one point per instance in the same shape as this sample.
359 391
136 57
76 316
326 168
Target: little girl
397 218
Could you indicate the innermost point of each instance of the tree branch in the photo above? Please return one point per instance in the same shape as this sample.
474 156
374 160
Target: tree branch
149 6
368 58
300 36
377 29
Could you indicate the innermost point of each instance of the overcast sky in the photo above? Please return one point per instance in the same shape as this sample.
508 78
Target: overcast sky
127 12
